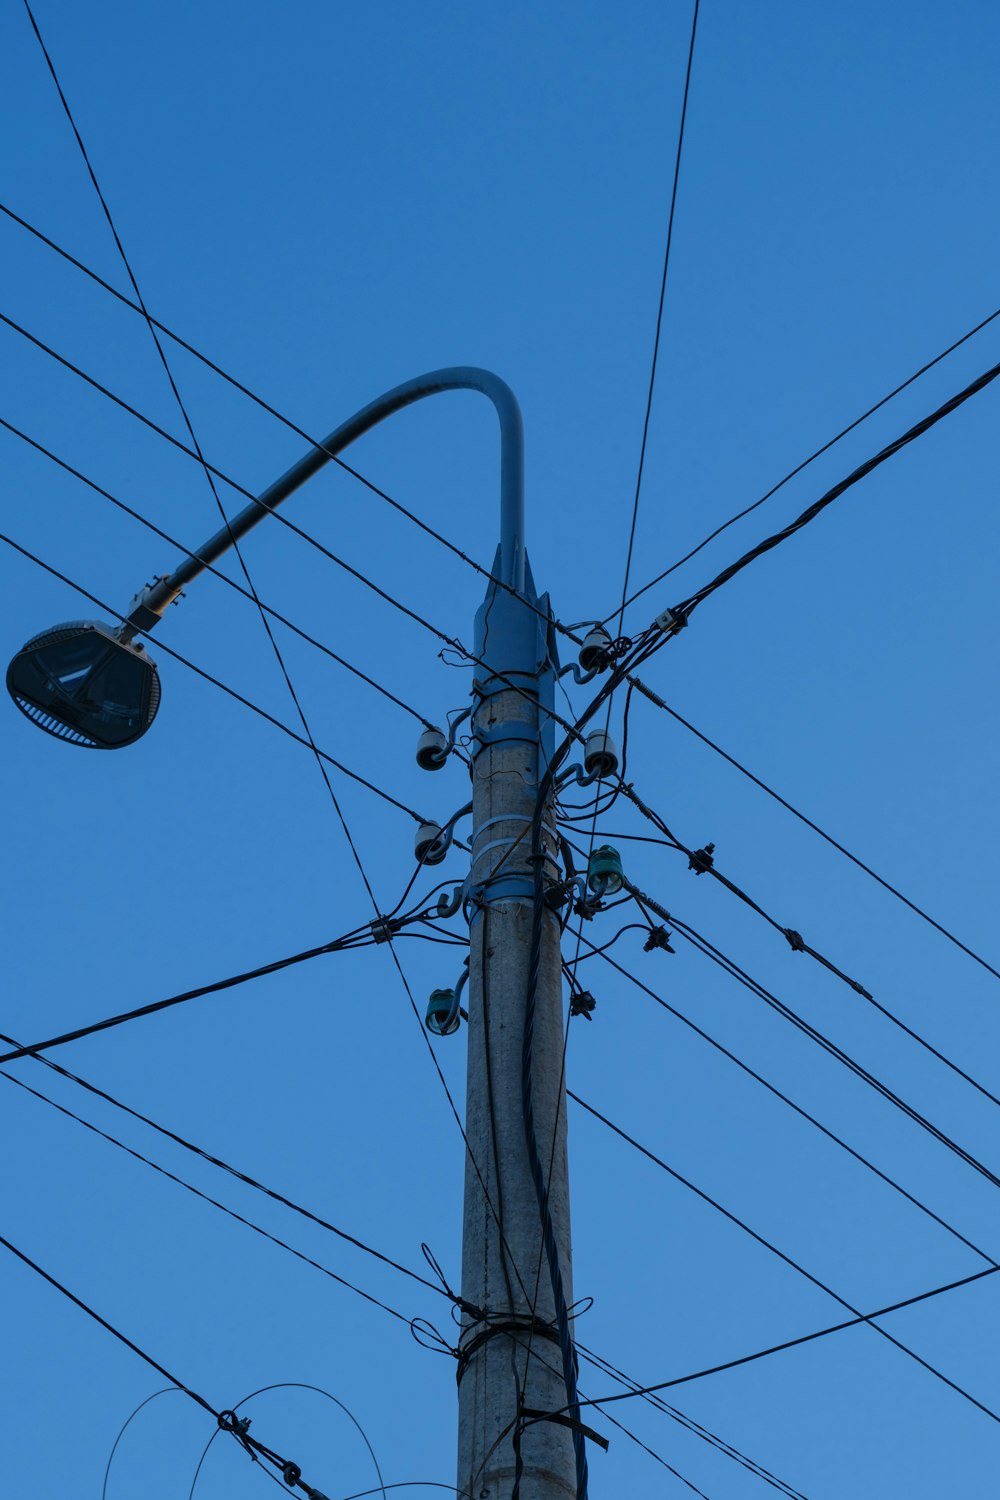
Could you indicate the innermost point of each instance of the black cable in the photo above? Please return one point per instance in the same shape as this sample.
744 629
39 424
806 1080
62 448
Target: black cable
702 866
658 702
795 1343
243 1177
299 1385
830 1047
812 511
215 681
805 462
207 1198
279 416
858 1316
659 314
279 657
690 1425
240 1176
799 1110
217 572
252 1446
527 1087
230 982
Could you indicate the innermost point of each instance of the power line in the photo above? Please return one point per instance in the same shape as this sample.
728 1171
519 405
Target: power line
806 1338
215 681
273 411
756 988
659 313
661 704
897 390
598 1361
858 1316
696 1428
290 1471
338 945
206 1198
702 862
211 568
201 458
798 1108
224 1166
812 511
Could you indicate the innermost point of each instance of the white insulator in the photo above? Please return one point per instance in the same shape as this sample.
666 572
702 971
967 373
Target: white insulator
595 644
600 754
432 749
430 845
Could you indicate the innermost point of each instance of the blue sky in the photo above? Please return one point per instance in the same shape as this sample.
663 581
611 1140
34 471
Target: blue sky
329 200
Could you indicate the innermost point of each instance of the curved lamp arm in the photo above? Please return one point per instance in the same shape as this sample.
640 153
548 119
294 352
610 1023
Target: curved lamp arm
154 600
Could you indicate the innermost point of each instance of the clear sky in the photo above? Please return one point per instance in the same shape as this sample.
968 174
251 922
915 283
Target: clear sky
329 199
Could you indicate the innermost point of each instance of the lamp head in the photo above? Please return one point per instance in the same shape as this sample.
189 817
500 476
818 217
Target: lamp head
83 684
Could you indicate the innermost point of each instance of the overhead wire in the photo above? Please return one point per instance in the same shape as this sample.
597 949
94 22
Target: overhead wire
730 967
702 862
918 429
795 1343
285 420
353 941
798 1109
659 313
789 1261
818 453
255 1449
224 1166
217 572
278 655
207 1198
834 843
215 681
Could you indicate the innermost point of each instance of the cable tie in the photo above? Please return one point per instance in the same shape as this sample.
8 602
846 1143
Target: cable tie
795 940
701 860
658 937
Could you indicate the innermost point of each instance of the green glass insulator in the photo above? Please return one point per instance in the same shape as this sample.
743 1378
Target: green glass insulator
604 872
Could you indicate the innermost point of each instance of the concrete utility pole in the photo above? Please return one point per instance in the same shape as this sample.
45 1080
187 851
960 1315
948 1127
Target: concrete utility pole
506 1278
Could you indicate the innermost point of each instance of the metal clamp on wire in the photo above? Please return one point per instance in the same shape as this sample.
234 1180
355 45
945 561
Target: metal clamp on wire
384 929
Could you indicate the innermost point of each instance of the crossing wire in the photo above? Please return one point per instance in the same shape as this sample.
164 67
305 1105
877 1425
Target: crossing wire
805 1338
597 1360
825 448
211 568
208 677
201 459
893 890
205 1197
286 421
703 866
252 1446
634 680
659 314
766 1244
798 1108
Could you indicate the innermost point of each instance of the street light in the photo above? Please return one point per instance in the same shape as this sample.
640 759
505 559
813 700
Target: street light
91 684
82 683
